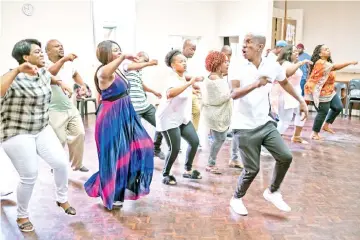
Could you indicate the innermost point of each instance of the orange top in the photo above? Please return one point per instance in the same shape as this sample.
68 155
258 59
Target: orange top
320 87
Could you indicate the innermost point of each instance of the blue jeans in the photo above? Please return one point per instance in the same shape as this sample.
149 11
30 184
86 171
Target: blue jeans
219 139
302 85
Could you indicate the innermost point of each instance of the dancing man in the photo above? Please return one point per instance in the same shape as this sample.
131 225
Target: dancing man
65 119
252 124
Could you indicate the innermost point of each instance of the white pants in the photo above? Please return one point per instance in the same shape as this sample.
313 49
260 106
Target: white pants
286 115
23 151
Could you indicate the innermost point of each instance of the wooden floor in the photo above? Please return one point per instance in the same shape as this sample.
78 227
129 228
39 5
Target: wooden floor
322 187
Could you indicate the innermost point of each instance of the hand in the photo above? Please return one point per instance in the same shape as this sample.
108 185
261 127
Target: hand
131 57
303 110
262 81
158 95
355 63
195 86
67 90
153 62
28 68
71 57
83 88
196 79
196 92
199 79
306 61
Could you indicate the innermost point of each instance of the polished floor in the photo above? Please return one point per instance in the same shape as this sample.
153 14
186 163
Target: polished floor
322 187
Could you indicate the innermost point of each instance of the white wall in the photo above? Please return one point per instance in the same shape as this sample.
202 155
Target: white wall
69 22
120 13
157 20
335 24
236 18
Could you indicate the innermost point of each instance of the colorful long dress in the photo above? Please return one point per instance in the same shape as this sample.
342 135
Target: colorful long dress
125 150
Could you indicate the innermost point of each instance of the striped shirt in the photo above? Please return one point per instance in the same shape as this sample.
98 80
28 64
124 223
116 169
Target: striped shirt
25 106
137 93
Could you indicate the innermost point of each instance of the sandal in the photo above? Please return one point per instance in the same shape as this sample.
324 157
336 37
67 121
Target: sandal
235 164
70 210
169 180
193 175
316 137
329 130
213 169
26 227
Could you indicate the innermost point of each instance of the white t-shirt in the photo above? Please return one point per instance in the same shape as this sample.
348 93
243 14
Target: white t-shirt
252 110
173 112
271 56
290 101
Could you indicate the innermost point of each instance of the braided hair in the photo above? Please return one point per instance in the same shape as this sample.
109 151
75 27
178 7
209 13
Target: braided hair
214 60
316 56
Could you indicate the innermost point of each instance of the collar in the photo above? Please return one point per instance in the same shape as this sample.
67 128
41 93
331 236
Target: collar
262 62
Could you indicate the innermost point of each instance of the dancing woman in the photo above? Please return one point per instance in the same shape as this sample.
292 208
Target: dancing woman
288 105
320 88
125 150
217 106
173 117
25 131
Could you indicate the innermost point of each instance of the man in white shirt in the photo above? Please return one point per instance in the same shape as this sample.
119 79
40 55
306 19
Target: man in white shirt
64 117
251 83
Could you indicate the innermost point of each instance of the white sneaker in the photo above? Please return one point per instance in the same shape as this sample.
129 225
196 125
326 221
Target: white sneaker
276 199
238 206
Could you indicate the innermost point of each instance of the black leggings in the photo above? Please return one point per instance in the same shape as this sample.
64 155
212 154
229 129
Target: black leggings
173 140
335 106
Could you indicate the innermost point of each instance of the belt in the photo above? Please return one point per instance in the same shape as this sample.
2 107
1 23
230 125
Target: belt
113 98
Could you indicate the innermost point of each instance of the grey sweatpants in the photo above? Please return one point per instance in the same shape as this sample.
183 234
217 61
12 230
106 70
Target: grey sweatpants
250 146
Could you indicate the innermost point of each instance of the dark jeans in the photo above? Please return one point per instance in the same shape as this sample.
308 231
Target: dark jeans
250 146
173 140
335 106
149 116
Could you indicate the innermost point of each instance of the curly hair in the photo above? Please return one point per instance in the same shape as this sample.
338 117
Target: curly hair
170 56
214 60
316 56
285 54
